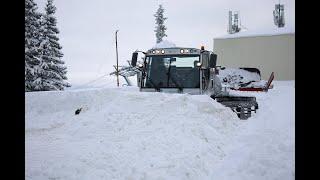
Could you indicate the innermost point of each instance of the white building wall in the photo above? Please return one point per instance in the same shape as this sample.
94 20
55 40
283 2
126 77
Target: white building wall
272 53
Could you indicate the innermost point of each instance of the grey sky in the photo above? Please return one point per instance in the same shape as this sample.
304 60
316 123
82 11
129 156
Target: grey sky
87 27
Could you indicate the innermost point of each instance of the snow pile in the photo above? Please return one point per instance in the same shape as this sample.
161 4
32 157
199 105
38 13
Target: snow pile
265 146
234 77
124 134
164 44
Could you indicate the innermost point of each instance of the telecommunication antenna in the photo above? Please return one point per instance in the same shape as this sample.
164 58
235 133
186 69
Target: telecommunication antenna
278 15
234 22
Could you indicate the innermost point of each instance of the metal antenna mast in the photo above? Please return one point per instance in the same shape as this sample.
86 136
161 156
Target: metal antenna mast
117 69
278 15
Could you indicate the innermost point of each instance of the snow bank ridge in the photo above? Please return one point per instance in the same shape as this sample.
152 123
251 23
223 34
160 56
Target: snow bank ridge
124 134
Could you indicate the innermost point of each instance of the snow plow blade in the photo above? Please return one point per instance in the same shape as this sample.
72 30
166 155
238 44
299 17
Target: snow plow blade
243 106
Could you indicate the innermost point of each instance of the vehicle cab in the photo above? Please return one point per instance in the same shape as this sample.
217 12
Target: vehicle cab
187 70
177 70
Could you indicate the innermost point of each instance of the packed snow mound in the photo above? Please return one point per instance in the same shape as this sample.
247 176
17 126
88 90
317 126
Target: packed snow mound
164 44
122 133
234 77
264 148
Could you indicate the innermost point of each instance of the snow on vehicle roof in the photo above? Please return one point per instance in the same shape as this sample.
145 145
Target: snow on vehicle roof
164 44
265 32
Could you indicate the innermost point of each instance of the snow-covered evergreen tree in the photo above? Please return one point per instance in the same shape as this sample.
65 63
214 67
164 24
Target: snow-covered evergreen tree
160 28
52 75
32 42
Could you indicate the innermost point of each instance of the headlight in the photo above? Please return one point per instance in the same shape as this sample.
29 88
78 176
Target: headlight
181 51
162 51
199 64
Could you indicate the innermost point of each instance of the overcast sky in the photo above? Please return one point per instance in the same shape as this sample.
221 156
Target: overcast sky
87 27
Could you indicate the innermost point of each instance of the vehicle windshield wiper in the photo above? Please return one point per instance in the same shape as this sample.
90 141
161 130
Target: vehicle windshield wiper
153 84
173 80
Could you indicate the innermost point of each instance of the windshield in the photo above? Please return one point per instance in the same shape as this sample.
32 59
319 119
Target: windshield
172 71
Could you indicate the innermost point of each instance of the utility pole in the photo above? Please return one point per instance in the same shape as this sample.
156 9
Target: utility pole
117 58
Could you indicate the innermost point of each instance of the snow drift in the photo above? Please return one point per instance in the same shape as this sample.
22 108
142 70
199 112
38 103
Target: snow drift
122 133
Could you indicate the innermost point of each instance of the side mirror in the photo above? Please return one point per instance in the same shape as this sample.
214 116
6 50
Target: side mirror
134 59
197 64
213 60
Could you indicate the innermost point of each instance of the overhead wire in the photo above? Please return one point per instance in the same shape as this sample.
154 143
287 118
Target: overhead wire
100 67
92 81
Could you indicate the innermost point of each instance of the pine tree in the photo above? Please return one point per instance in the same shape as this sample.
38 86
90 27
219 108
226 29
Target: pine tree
52 75
160 28
32 42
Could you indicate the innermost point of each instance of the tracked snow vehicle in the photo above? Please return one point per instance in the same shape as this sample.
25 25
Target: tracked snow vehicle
187 70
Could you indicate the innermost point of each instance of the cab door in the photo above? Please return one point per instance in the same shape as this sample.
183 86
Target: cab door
204 70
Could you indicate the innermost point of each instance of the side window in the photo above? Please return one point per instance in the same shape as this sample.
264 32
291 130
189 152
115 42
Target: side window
185 61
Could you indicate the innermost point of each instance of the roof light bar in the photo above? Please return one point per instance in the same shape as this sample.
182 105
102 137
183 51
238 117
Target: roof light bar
185 51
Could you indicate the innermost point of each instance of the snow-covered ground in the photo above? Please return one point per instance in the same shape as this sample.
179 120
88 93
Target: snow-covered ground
265 146
122 133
